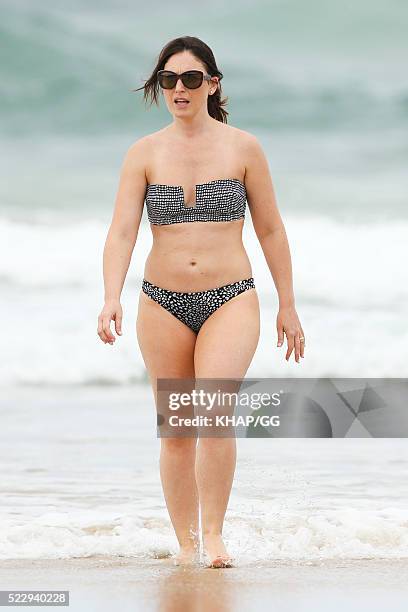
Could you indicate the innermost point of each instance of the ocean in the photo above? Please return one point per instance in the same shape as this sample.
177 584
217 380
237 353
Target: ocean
80 478
324 87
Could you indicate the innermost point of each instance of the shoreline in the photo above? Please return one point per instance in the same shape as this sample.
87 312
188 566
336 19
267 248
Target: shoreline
157 584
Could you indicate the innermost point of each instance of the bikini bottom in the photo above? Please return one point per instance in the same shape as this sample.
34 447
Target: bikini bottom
194 307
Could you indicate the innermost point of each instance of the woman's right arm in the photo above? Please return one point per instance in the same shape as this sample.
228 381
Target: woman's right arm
122 236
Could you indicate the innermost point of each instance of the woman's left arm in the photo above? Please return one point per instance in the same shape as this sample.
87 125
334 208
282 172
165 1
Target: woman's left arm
271 233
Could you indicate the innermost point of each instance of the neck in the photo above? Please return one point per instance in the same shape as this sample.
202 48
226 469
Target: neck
193 127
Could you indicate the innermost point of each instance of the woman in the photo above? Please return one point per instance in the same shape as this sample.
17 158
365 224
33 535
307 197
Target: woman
198 312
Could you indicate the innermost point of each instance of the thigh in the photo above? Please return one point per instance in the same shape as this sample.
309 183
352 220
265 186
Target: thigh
228 339
166 344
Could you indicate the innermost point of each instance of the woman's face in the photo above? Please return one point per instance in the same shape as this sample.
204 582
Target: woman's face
197 98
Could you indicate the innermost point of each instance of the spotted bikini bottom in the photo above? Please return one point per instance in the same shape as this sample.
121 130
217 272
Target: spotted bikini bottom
194 307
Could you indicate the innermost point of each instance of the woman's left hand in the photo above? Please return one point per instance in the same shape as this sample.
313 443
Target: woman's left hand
287 322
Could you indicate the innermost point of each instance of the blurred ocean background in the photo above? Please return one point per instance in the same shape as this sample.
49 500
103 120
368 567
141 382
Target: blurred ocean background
324 86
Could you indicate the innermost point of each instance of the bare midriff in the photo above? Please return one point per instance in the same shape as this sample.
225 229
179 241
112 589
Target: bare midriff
196 256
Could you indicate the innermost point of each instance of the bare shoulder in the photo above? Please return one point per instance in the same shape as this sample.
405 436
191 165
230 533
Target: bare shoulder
248 142
138 154
141 146
237 135
248 146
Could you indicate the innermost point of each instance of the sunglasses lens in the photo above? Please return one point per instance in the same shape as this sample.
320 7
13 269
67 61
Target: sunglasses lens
193 79
167 80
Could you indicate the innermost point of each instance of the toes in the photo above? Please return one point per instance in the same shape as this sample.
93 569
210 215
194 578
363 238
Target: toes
221 562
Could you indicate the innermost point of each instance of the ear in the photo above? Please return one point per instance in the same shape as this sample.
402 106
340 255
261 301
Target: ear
214 86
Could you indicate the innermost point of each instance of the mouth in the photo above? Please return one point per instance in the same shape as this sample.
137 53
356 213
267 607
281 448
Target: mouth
181 102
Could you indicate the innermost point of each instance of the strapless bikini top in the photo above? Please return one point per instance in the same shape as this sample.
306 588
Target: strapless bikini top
218 200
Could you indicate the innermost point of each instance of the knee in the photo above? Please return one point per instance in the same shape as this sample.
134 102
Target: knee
216 443
178 446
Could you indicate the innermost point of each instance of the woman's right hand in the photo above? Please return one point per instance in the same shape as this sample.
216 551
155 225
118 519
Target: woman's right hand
112 311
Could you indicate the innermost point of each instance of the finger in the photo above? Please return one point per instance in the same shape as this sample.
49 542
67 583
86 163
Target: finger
302 344
100 331
297 347
280 335
103 336
106 328
291 344
118 324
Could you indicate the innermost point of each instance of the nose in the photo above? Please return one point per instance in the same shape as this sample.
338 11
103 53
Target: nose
179 82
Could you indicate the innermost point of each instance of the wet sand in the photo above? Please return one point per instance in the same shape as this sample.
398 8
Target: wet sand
98 583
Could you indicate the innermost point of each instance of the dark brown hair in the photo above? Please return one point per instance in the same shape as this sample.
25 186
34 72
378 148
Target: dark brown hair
203 53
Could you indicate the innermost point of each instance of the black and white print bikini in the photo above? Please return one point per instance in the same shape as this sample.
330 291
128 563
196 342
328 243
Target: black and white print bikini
215 201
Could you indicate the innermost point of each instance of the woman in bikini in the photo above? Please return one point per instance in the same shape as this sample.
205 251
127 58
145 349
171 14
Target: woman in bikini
198 312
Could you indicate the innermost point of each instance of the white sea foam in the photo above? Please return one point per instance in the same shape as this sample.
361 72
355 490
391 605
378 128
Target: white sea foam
345 534
293 499
350 285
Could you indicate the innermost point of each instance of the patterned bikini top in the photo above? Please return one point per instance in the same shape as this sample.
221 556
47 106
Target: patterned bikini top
218 200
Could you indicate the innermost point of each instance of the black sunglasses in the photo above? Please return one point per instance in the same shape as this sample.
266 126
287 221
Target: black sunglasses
192 79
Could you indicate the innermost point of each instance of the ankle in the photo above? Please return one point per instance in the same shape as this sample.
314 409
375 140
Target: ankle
189 545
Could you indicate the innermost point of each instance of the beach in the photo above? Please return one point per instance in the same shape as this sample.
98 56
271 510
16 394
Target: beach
97 584
330 116
80 480
311 522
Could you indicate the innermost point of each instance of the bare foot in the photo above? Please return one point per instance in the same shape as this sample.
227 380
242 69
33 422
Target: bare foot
186 556
215 551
